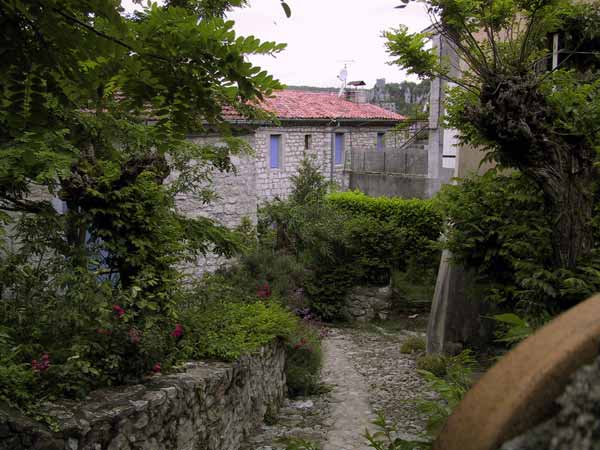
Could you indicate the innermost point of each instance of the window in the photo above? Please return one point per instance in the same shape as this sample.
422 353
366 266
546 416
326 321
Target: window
380 141
307 141
275 153
339 148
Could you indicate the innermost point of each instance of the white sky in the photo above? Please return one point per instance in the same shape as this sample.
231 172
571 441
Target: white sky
322 34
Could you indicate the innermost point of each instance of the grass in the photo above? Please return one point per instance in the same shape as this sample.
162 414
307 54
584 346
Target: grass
413 344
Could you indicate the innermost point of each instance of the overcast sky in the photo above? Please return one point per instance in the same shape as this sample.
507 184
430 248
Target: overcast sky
323 34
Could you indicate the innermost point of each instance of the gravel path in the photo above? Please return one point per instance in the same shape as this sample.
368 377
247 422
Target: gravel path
350 412
367 374
392 378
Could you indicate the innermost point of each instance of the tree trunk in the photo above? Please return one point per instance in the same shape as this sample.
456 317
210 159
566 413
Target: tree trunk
570 201
571 210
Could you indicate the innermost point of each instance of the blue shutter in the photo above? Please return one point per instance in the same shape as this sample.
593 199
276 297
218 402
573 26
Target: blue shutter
275 154
339 148
380 141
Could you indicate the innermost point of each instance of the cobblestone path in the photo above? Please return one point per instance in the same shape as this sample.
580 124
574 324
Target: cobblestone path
366 374
351 412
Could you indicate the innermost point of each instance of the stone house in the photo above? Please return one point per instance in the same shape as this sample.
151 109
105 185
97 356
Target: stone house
323 126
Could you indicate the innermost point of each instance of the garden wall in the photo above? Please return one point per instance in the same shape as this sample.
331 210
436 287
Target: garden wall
210 406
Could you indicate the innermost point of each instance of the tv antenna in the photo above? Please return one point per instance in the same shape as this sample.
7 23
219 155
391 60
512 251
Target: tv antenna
343 76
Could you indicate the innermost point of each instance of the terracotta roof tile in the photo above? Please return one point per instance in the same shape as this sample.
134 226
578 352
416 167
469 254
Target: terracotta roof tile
290 104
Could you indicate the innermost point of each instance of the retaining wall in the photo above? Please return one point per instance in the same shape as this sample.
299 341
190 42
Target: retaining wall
210 406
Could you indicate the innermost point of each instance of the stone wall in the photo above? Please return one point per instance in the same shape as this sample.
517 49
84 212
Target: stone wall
236 199
211 406
255 183
366 303
272 183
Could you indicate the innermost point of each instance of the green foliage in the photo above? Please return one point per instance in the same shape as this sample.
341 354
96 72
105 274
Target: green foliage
309 183
515 330
226 330
404 231
500 228
346 239
304 361
95 108
419 221
451 386
419 216
512 104
497 223
384 438
413 344
410 52
432 363
450 377
293 443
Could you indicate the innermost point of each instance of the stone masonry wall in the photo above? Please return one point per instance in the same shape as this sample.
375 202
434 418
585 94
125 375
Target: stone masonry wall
211 406
255 183
277 183
366 303
236 200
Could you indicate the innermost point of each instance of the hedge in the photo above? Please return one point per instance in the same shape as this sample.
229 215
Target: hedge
418 217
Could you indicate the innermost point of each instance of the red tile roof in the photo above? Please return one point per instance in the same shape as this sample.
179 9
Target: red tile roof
289 104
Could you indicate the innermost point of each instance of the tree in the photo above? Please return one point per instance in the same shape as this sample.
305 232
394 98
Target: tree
95 107
515 105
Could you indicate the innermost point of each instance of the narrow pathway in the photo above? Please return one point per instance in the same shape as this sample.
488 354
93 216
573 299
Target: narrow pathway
367 374
351 414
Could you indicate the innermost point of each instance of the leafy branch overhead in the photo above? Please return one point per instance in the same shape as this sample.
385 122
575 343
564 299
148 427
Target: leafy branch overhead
528 107
96 106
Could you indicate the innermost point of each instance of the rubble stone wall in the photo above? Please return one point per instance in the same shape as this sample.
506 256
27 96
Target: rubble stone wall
210 406
254 183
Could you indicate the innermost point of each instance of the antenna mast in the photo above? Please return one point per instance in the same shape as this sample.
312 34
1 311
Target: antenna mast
343 76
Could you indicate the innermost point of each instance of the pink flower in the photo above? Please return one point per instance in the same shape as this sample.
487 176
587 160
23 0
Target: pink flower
134 336
43 365
178 331
263 291
157 368
118 311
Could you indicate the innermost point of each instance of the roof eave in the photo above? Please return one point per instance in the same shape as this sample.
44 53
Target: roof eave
319 121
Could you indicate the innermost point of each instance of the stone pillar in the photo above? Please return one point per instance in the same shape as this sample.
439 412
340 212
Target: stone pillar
457 311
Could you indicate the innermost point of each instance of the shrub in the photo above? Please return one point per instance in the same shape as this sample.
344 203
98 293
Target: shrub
435 364
225 330
500 229
413 344
304 361
419 220
451 388
344 239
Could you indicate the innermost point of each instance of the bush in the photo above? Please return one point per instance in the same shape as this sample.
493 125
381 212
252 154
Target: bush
501 230
451 386
413 344
419 220
345 239
304 361
435 364
225 331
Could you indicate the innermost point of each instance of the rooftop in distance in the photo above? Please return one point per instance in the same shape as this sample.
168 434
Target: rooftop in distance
292 104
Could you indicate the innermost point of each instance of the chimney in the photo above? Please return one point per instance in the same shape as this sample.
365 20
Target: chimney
355 94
